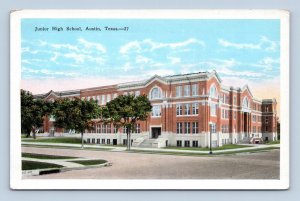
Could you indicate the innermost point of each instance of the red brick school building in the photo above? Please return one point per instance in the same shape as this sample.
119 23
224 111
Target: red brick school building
186 108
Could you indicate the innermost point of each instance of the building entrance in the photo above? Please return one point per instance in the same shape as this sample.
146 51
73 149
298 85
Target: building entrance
155 132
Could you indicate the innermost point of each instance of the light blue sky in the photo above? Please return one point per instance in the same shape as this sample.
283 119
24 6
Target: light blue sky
246 51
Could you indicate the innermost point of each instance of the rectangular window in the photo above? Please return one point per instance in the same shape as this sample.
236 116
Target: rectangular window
138 128
213 128
187 109
254 118
108 98
93 140
178 91
179 143
103 100
88 141
267 120
213 109
195 90
108 141
234 100
108 129
115 129
124 129
156 111
137 93
187 127
98 141
178 109
103 128
195 127
179 127
186 143
187 91
195 143
103 141
124 141
115 95
195 108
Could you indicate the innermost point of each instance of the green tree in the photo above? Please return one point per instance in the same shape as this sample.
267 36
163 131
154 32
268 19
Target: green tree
76 114
126 111
32 112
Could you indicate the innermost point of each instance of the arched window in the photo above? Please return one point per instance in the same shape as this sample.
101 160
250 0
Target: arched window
213 91
245 103
155 93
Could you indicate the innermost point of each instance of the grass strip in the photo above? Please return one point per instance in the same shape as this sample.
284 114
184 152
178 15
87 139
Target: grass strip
69 140
66 147
89 162
33 165
44 156
204 154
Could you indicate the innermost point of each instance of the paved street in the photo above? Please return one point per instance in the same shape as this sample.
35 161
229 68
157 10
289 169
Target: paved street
262 165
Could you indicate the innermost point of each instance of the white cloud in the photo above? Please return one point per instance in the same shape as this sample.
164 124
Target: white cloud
174 60
264 44
47 72
126 67
267 63
142 59
150 45
66 46
101 48
133 45
79 58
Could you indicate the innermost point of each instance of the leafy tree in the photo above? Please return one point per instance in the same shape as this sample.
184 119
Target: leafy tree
126 111
32 112
76 114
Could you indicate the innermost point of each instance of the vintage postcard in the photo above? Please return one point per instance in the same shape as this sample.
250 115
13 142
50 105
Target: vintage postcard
149 99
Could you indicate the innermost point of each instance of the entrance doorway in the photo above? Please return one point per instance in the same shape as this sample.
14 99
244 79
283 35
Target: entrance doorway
155 132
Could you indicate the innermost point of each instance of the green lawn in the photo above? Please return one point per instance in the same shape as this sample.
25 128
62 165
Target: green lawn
89 162
71 140
43 156
274 142
66 147
204 154
226 146
32 165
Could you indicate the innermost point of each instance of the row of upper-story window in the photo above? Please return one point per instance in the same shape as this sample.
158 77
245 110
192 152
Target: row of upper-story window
110 128
187 127
187 90
181 109
105 98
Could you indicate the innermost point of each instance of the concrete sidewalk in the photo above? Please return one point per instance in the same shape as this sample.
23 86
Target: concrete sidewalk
121 149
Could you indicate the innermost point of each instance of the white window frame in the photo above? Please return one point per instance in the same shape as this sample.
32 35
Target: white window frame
178 91
158 95
156 111
187 127
187 90
179 127
195 109
213 109
178 109
195 127
195 90
187 109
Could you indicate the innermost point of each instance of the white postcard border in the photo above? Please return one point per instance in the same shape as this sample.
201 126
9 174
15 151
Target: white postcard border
16 181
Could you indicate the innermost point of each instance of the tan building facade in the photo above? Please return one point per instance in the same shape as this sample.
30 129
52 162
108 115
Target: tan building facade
186 108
